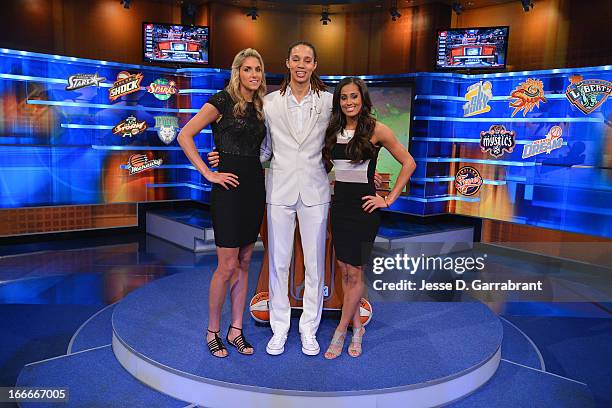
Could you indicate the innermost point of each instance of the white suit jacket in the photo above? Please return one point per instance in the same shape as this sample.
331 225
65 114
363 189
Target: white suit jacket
297 167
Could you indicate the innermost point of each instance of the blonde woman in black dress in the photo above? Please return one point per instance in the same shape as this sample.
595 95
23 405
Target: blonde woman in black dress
352 142
238 195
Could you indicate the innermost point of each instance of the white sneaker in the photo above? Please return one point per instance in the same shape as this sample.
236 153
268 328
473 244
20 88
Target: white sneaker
276 345
310 346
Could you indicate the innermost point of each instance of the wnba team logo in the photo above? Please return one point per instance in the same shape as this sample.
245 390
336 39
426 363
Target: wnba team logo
140 162
478 96
125 84
130 126
162 89
527 95
552 141
468 181
166 128
587 94
497 140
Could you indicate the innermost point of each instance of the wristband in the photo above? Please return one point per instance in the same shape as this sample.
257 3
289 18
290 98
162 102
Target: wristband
385 198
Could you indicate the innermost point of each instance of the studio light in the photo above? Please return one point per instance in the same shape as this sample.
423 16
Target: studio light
125 3
325 17
252 13
458 7
527 5
395 14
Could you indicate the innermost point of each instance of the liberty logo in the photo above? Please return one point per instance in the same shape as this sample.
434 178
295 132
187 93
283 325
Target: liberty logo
478 96
587 94
166 128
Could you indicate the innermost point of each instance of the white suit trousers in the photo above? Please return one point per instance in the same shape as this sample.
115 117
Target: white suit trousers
313 231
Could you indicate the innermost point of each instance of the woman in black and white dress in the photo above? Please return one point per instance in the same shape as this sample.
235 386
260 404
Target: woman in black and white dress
352 142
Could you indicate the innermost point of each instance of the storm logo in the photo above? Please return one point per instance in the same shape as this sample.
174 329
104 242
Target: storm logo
140 162
587 94
125 84
527 95
130 126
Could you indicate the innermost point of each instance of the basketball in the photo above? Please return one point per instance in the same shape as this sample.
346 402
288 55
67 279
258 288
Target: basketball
365 312
259 307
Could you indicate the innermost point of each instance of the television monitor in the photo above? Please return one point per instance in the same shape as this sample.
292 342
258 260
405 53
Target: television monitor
175 43
472 48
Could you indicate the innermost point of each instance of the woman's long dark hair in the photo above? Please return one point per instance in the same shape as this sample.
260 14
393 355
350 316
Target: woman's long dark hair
359 147
315 82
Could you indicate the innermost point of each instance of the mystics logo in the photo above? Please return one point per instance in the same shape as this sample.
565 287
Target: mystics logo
140 162
79 81
587 94
162 89
527 95
167 127
497 140
477 96
552 141
130 126
125 84
468 181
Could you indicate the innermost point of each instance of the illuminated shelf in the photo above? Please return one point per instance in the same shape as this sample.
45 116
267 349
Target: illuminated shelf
109 127
128 148
478 161
441 198
504 120
504 98
466 140
108 106
442 179
188 185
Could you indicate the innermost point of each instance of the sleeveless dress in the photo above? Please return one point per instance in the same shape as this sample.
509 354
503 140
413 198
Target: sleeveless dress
237 213
353 229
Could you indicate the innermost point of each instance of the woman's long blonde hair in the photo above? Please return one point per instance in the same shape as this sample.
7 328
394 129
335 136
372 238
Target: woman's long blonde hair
233 88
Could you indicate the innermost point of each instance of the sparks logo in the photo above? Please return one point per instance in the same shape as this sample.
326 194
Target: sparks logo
497 140
478 96
162 89
79 81
140 162
125 84
468 181
527 95
130 126
587 94
552 141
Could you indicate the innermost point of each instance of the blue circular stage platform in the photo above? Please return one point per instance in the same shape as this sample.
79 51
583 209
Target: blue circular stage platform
420 354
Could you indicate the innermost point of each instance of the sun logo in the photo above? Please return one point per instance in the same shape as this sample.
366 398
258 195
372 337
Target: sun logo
527 95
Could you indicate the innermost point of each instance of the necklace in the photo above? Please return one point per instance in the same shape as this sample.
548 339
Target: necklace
347 134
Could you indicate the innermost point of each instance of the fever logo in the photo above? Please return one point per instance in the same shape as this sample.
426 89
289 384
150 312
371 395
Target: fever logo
587 94
468 181
527 95
478 96
125 84
497 140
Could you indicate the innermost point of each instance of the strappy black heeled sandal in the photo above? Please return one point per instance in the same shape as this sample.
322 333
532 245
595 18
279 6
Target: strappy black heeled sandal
216 344
239 342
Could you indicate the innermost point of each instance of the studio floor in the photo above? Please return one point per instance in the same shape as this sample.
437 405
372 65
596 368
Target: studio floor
49 289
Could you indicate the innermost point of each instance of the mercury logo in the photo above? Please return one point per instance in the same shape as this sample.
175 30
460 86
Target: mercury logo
140 162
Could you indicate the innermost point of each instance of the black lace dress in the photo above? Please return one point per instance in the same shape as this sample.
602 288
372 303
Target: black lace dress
237 213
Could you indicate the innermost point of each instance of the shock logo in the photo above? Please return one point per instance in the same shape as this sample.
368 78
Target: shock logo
527 95
587 94
478 96
125 84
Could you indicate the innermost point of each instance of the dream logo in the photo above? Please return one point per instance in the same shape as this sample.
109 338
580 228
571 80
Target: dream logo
552 141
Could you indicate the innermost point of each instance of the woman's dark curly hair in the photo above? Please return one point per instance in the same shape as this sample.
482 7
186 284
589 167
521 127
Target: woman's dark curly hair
359 147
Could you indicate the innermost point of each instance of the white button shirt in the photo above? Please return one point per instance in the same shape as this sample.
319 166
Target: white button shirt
299 112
